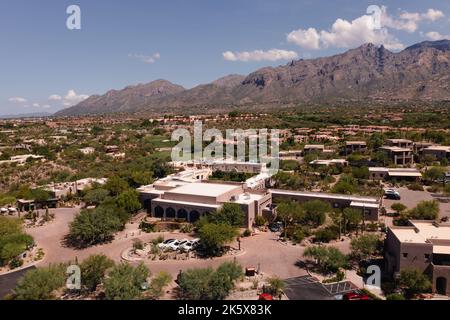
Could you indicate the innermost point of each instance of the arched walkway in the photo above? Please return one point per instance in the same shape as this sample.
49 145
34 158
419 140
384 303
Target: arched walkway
170 213
182 214
441 286
159 212
194 215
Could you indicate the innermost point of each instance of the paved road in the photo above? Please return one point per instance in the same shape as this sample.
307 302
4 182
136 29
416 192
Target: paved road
411 198
263 249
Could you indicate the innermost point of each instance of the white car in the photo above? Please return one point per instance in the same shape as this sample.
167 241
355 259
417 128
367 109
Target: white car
189 245
3 210
164 244
176 244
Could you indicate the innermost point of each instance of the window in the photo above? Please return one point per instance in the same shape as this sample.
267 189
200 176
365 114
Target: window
405 255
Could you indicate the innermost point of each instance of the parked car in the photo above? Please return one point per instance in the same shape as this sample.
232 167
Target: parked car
3 210
165 243
276 226
392 194
189 245
176 244
356 296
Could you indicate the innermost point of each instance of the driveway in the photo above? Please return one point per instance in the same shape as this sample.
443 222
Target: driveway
262 249
411 198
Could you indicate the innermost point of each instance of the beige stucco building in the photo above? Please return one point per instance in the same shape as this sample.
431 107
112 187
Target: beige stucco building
424 245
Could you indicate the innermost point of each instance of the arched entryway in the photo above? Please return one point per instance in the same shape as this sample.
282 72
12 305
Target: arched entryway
194 215
441 285
148 205
170 213
159 212
182 214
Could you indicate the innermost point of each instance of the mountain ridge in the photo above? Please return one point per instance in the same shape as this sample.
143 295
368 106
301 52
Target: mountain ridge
419 72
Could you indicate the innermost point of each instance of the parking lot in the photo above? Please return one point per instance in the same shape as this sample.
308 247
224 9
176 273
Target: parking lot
411 198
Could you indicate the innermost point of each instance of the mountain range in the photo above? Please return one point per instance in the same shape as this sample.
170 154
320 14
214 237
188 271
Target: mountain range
368 73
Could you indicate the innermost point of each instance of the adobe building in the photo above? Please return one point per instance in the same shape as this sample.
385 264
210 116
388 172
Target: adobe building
400 143
423 245
438 152
398 174
369 205
399 155
355 146
191 201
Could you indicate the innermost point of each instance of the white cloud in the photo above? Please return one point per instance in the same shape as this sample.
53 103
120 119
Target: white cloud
308 39
17 100
55 97
345 34
146 58
434 35
72 98
260 55
433 15
36 105
349 34
409 21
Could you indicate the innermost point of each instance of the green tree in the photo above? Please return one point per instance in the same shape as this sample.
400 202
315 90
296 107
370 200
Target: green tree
129 201
343 187
195 284
425 210
93 226
328 259
125 282
366 246
13 241
276 287
214 236
434 174
360 173
158 283
230 213
289 212
413 282
316 211
93 271
41 283
116 185
95 197
231 269
352 218
399 208
209 284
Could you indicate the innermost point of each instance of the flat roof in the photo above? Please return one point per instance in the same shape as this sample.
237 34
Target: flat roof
363 204
324 195
186 203
355 142
395 149
204 189
422 232
404 174
438 148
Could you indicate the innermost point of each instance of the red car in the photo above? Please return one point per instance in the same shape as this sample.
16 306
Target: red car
355 296
265 297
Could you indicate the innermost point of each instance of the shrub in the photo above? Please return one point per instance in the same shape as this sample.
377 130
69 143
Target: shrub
187 228
415 187
326 235
260 221
247 233
395 296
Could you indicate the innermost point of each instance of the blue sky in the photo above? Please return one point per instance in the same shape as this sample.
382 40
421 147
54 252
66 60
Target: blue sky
45 67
